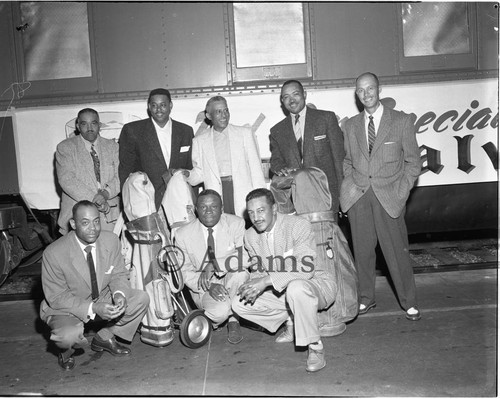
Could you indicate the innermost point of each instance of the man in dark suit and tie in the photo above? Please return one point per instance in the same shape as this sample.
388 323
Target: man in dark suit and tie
381 166
307 138
157 146
84 279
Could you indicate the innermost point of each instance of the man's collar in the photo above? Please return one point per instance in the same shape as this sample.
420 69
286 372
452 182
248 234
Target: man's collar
377 114
301 113
158 127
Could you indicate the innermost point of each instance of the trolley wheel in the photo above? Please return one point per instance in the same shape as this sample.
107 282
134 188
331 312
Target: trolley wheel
195 329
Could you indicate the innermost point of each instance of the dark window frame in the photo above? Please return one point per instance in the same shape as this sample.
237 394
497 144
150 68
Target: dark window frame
267 72
430 63
56 87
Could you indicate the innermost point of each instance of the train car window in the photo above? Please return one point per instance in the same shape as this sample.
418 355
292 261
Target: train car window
437 36
53 40
268 41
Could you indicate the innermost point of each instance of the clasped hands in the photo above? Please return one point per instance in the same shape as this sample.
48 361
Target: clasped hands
216 291
101 201
285 171
250 291
108 311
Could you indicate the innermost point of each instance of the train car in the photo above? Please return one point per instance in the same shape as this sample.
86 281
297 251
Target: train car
438 61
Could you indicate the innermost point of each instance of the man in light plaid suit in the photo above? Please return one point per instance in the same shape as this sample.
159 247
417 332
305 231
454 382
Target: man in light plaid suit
286 284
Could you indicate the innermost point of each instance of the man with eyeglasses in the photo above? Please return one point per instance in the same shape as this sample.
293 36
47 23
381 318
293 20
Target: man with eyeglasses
226 158
87 169
157 146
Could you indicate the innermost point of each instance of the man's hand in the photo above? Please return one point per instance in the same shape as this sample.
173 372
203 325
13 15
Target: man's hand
184 172
101 197
120 302
251 290
107 311
218 292
206 275
285 171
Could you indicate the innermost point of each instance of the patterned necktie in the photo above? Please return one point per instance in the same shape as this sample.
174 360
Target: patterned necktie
97 163
371 134
211 249
298 134
93 277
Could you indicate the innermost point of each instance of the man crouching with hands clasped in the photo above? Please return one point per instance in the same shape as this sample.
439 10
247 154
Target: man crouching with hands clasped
282 252
84 279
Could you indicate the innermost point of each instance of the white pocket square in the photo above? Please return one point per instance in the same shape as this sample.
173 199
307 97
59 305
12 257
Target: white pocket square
185 148
390 142
110 269
320 137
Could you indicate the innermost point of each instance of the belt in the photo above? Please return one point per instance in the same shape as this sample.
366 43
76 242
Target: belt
226 178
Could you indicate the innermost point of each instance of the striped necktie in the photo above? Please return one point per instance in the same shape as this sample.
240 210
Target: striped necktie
298 134
371 134
97 163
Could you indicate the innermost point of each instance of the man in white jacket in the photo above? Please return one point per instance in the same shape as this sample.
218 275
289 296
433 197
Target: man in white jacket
226 159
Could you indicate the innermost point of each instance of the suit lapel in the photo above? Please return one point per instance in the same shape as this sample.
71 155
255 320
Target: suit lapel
208 144
279 242
308 134
101 265
383 129
175 145
290 141
235 142
85 160
77 259
151 137
360 133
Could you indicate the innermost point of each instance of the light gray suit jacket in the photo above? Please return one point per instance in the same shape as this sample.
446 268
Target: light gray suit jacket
392 168
245 164
75 173
66 277
293 239
191 241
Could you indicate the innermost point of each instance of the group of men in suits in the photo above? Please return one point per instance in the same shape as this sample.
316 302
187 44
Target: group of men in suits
371 169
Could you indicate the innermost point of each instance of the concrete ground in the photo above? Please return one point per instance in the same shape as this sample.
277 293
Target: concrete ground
451 351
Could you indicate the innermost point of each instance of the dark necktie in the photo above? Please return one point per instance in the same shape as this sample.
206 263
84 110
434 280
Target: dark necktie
371 134
298 133
93 277
211 249
97 163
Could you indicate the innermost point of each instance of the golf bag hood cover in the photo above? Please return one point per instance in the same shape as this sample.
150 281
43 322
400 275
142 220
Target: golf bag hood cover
138 196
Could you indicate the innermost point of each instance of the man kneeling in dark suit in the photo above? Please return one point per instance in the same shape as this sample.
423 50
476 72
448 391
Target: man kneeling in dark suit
84 276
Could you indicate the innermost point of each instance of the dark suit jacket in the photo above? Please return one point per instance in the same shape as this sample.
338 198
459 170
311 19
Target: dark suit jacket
392 168
66 277
140 151
323 148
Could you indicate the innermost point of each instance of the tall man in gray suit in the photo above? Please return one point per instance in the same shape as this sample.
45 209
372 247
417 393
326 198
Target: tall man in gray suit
307 138
157 146
87 169
381 166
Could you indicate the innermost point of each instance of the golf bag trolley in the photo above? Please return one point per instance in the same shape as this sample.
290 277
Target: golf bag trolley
155 267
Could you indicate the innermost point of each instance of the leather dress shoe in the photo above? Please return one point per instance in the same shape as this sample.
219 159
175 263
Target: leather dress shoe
234 335
315 359
286 335
327 330
110 345
365 308
68 364
413 314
